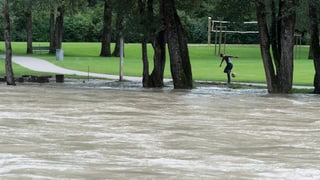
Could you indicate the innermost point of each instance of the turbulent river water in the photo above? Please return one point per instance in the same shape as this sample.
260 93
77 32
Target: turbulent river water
115 131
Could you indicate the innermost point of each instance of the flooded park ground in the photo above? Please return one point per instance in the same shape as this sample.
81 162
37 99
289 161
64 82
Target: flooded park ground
112 130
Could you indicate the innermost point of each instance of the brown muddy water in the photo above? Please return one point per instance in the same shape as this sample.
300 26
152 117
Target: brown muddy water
101 130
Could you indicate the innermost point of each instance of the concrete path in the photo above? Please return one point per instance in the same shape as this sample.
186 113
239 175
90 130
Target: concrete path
40 65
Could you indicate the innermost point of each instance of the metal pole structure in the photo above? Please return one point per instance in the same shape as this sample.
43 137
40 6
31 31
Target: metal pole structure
225 40
215 42
121 59
209 31
220 37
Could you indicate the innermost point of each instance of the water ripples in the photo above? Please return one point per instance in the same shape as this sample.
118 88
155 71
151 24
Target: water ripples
94 132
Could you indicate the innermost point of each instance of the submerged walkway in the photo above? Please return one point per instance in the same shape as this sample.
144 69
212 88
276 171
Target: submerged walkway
41 65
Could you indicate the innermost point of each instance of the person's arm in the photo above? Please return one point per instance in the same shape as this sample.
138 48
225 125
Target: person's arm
221 62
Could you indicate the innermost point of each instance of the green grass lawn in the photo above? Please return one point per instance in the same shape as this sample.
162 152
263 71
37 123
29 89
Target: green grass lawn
205 65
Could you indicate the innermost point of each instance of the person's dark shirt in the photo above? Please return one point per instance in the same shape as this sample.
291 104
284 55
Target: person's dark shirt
227 59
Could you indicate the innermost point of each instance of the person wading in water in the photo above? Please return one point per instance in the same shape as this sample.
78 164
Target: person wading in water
229 65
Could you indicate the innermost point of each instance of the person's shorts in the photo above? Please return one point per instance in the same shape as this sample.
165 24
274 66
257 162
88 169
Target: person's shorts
228 68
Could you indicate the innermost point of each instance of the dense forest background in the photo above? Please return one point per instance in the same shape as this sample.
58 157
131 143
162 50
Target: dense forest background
84 22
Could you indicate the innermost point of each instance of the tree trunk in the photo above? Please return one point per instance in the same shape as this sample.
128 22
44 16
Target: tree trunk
275 36
158 44
52 31
265 45
279 67
116 50
159 47
119 29
287 44
315 45
29 31
159 59
145 61
106 34
177 44
8 62
59 27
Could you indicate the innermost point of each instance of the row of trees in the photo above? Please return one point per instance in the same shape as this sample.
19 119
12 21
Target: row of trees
277 25
168 29
85 21
158 22
160 26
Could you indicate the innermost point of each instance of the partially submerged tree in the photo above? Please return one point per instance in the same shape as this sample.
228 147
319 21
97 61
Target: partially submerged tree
278 34
144 23
177 45
8 61
159 48
313 11
148 23
161 29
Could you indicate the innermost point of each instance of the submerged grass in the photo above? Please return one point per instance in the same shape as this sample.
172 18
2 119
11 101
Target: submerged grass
204 61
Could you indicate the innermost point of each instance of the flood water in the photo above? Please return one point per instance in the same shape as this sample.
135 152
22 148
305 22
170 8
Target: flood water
106 131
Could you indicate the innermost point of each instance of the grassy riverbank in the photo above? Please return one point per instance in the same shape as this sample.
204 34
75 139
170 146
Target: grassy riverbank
205 65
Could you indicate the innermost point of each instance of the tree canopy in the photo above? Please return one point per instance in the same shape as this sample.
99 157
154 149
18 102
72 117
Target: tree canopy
83 20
